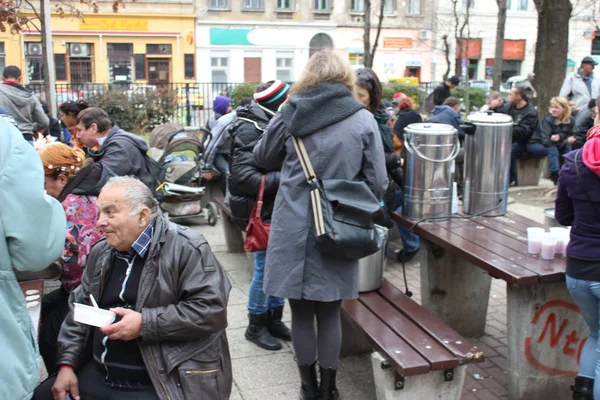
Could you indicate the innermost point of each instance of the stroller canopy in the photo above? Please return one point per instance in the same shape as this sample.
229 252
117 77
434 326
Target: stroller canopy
162 138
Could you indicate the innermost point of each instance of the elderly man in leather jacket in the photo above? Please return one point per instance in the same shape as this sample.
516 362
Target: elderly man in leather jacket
169 294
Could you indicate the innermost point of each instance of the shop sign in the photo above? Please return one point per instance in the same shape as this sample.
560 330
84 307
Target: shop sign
113 24
397 42
514 50
469 48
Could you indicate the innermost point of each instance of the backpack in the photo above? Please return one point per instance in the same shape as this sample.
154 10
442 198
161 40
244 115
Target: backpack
158 172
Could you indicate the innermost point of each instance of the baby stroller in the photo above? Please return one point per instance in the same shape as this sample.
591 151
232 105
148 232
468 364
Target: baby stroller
184 195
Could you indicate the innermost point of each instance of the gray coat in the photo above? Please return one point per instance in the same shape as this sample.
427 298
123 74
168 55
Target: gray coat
343 142
24 107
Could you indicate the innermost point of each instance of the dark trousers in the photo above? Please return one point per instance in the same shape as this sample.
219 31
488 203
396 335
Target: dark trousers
55 308
92 387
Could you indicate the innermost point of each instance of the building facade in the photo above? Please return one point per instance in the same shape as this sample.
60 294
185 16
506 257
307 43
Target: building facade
478 52
259 40
148 42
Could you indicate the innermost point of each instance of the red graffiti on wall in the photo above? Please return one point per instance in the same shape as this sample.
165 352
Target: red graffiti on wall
558 335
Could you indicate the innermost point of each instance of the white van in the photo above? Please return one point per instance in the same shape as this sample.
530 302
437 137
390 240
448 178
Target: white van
513 81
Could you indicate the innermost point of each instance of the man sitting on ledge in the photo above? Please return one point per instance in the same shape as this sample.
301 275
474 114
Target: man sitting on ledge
170 296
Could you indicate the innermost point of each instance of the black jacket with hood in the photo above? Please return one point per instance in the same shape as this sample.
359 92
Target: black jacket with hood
548 127
89 181
524 121
246 175
124 154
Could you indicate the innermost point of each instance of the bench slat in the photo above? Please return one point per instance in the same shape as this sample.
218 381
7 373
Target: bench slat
435 327
438 356
496 266
220 202
509 247
402 356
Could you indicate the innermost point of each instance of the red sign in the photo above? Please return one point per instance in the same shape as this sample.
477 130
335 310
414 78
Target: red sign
397 42
514 50
469 48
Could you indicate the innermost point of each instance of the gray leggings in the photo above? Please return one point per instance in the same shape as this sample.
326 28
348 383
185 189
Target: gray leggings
327 338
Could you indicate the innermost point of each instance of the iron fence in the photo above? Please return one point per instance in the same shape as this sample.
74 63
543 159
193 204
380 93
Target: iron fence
189 104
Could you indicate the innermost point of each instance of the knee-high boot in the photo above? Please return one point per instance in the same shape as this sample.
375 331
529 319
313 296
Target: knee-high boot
583 388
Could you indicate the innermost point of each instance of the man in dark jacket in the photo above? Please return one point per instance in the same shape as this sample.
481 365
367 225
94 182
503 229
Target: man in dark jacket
583 122
443 91
448 114
264 312
122 152
169 294
525 122
21 103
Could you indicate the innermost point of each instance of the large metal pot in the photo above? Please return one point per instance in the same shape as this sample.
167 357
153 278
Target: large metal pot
430 150
487 164
370 268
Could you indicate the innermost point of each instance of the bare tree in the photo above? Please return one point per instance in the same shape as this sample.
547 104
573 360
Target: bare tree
551 47
461 32
447 55
369 55
499 53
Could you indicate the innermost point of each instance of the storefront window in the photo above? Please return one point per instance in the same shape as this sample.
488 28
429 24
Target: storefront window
120 62
284 68
219 69
510 68
356 60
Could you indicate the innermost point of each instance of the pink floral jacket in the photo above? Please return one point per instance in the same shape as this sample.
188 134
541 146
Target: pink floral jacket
82 234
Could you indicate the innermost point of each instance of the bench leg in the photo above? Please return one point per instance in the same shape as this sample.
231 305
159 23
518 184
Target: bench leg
545 335
529 171
354 339
454 290
234 239
428 386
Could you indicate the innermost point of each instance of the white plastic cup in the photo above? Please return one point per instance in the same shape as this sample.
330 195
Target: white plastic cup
562 238
88 315
534 240
548 246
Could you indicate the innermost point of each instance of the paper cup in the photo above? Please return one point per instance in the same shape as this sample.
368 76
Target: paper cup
548 246
562 238
88 315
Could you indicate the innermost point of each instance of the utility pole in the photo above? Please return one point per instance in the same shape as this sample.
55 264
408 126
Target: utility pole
49 55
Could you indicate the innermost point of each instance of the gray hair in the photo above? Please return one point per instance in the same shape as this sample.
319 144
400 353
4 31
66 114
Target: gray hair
138 195
494 95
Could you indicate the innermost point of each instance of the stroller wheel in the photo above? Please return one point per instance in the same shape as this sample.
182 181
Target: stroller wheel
213 213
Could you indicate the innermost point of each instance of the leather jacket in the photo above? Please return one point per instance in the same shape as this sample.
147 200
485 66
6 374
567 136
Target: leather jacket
182 295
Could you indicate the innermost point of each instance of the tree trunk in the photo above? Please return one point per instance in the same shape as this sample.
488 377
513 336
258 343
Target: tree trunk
379 23
368 62
551 48
447 54
499 55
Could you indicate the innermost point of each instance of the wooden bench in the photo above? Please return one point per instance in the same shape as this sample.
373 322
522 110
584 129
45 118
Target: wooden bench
529 170
544 329
234 237
34 293
417 356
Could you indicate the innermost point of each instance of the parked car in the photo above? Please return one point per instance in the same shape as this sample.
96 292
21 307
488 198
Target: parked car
513 81
195 96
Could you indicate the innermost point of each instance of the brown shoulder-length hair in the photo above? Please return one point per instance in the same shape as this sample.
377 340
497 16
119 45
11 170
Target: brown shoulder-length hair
324 66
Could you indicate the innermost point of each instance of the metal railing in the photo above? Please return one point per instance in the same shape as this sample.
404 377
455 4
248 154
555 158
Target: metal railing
189 104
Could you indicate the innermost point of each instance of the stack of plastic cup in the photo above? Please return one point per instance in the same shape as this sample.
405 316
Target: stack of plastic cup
534 240
548 245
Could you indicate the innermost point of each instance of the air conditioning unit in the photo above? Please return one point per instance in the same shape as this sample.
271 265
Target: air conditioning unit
79 50
34 49
424 34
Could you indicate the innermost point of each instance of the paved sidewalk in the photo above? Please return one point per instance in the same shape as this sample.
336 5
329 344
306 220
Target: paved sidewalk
261 374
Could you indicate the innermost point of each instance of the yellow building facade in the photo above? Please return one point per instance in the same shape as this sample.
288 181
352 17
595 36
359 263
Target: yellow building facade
110 48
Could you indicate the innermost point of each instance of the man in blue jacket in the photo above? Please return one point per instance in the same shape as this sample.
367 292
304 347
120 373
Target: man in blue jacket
34 228
448 114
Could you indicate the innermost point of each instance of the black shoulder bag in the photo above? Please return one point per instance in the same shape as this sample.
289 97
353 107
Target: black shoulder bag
343 213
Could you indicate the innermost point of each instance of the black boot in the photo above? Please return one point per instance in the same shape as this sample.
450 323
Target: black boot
309 389
276 327
554 178
583 388
258 333
328 389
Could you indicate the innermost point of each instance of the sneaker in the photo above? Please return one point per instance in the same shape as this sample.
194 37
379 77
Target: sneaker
406 256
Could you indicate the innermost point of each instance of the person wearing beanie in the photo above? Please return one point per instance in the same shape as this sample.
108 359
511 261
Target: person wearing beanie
578 205
221 106
264 312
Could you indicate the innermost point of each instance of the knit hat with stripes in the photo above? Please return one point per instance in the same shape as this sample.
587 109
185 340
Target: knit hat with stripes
273 96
